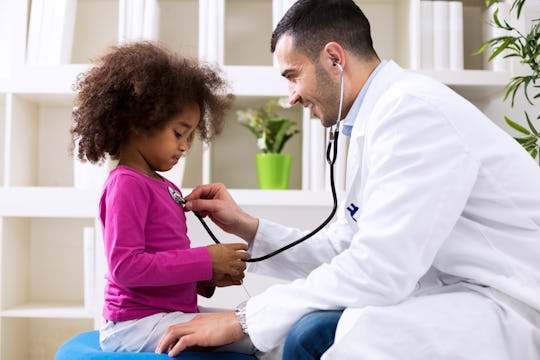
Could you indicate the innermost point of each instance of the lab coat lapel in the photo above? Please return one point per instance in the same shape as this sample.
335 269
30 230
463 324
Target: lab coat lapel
357 169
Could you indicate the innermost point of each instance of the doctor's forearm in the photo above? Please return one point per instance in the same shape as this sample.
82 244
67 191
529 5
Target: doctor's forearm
246 227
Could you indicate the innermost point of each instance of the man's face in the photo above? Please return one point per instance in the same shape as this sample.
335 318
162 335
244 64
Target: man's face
309 83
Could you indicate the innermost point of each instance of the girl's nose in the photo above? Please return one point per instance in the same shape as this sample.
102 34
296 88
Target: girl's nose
183 145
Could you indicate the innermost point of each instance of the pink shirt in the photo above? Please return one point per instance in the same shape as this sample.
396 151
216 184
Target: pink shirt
152 267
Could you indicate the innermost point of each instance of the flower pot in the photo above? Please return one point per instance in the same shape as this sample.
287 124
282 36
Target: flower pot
273 170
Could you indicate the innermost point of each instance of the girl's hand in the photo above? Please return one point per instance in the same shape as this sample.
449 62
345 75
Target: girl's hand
227 260
223 280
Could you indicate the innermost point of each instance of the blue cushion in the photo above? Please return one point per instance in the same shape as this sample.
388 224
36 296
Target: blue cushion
85 346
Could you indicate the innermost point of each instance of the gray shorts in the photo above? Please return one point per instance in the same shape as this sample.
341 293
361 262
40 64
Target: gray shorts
143 335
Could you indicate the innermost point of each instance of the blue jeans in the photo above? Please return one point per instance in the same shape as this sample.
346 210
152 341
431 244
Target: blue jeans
311 336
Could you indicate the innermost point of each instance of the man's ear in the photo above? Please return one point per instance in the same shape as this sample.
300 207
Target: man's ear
333 54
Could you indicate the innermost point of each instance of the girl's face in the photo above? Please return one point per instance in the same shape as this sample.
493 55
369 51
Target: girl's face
161 150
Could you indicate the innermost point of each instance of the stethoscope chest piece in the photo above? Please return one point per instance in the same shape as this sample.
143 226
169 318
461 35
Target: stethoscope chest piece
176 196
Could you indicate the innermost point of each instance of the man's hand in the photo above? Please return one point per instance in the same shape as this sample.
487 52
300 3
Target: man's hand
214 201
203 330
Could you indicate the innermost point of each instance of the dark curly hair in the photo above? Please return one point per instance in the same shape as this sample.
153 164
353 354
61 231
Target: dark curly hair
141 86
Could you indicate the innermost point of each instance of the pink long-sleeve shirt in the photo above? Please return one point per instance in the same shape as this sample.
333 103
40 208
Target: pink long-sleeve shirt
152 267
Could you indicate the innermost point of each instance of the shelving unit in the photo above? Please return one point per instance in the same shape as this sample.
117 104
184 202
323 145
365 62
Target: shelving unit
51 267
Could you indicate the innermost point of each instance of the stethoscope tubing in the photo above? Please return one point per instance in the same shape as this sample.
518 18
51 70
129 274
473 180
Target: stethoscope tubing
331 156
331 161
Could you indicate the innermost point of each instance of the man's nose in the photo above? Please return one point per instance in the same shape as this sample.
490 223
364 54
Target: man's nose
293 95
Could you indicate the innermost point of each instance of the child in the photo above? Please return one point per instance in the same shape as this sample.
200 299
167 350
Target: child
142 105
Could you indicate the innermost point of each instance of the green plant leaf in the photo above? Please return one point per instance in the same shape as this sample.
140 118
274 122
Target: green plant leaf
284 135
252 129
482 48
518 4
273 130
529 142
531 125
505 43
496 18
516 126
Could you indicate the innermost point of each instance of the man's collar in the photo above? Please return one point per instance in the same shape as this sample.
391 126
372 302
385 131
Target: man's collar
348 121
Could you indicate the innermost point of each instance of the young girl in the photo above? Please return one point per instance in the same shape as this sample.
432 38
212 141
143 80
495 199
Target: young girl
142 105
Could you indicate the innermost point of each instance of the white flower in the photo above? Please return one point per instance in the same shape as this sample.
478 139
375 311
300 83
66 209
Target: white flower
284 102
261 143
244 116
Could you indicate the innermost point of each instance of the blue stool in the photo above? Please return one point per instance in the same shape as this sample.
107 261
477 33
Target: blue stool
85 346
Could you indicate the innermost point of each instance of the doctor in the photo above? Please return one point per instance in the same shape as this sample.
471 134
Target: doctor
436 252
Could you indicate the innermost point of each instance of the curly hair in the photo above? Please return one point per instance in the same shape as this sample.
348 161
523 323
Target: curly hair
141 86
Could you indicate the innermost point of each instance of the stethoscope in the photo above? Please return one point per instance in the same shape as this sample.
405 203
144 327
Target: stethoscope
331 155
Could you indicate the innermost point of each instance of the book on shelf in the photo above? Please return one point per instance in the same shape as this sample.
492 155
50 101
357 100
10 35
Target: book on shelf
138 20
50 32
5 40
279 8
415 25
441 33
426 34
151 20
455 36
490 31
211 37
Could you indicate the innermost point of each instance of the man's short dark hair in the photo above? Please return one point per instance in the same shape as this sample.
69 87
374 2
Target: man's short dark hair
314 23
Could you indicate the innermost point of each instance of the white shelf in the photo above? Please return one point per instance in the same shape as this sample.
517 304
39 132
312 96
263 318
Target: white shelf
48 310
256 80
472 84
46 80
56 202
53 202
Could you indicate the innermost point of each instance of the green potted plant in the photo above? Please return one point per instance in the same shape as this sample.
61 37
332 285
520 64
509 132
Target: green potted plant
526 48
272 132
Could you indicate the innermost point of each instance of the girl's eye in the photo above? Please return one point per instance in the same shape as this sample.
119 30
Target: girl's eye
177 134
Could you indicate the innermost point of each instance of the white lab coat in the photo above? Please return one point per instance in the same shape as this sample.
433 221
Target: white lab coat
445 241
